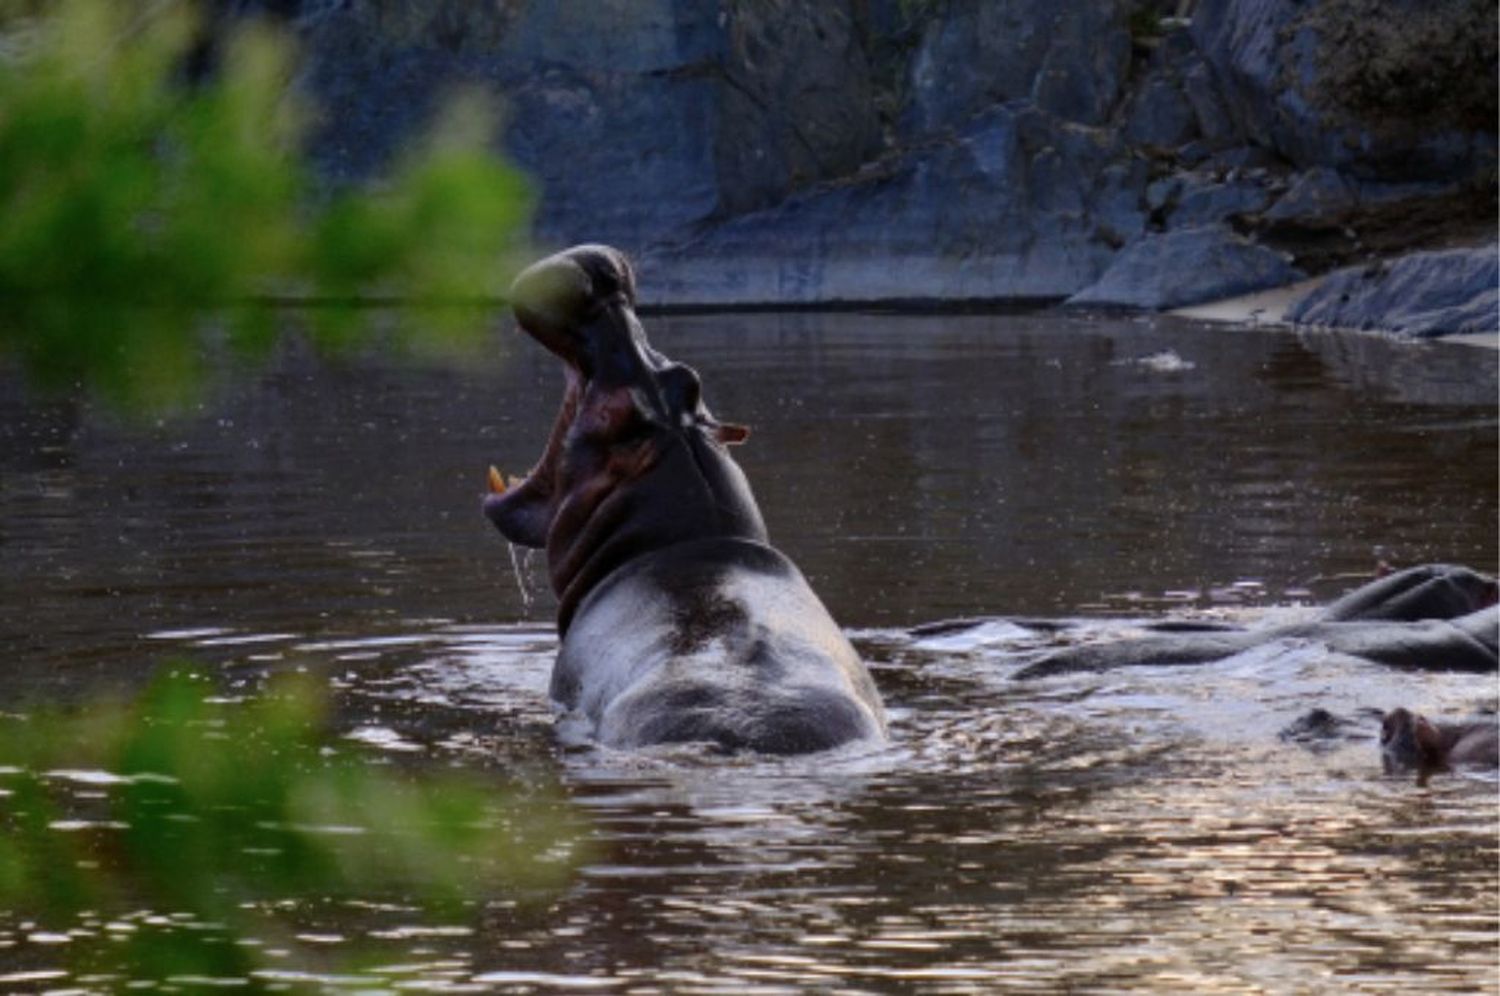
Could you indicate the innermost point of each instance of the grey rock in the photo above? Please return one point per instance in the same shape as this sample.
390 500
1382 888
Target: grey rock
1374 193
1160 114
1186 266
1159 111
1321 197
1210 112
1422 295
1175 49
1019 206
1160 193
1117 204
1239 40
1081 77
1204 203
1246 159
1195 153
1072 59
799 104
884 149
638 120
646 36
1344 83
373 107
563 131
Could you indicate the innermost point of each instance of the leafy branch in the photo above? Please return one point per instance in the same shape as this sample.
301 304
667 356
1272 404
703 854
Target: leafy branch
144 211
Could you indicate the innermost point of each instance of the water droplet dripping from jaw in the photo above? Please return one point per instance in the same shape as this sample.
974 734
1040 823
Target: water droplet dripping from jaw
520 564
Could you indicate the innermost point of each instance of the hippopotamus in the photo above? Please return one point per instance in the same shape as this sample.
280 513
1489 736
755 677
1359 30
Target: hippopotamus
1411 741
679 621
1435 617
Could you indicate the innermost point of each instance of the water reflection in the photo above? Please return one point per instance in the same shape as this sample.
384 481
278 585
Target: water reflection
1148 831
1140 830
915 468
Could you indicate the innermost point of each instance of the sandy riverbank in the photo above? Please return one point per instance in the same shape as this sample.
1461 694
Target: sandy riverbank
1270 307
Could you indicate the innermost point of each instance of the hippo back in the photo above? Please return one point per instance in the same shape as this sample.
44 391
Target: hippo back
1428 591
717 641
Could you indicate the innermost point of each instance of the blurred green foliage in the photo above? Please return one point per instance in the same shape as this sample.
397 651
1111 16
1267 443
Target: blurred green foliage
145 211
205 820
153 223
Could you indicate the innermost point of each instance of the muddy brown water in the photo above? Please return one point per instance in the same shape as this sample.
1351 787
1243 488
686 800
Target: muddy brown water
1143 831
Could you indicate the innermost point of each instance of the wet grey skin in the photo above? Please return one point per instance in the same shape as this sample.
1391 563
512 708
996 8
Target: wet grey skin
679 621
1436 617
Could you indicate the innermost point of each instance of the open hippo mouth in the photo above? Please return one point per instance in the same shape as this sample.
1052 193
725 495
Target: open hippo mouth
524 509
598 494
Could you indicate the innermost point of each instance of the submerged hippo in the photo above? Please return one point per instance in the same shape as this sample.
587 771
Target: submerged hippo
679 621
1410 741
1435 617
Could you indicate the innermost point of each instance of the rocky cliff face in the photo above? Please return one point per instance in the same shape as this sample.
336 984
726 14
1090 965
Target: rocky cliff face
638 118
1394 90
858 150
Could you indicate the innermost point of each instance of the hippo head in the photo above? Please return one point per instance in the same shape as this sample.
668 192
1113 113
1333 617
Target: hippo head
1409 740
634 462
1400 746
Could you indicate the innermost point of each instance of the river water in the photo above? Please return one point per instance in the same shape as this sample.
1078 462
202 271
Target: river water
1142 831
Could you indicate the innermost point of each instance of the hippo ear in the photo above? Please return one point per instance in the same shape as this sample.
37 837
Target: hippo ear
627 277
608 270
730 434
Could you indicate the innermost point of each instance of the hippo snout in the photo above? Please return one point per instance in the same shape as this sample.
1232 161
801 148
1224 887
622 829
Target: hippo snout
556 297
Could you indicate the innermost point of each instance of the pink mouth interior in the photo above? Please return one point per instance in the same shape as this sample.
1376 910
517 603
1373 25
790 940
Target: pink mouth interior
527 508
